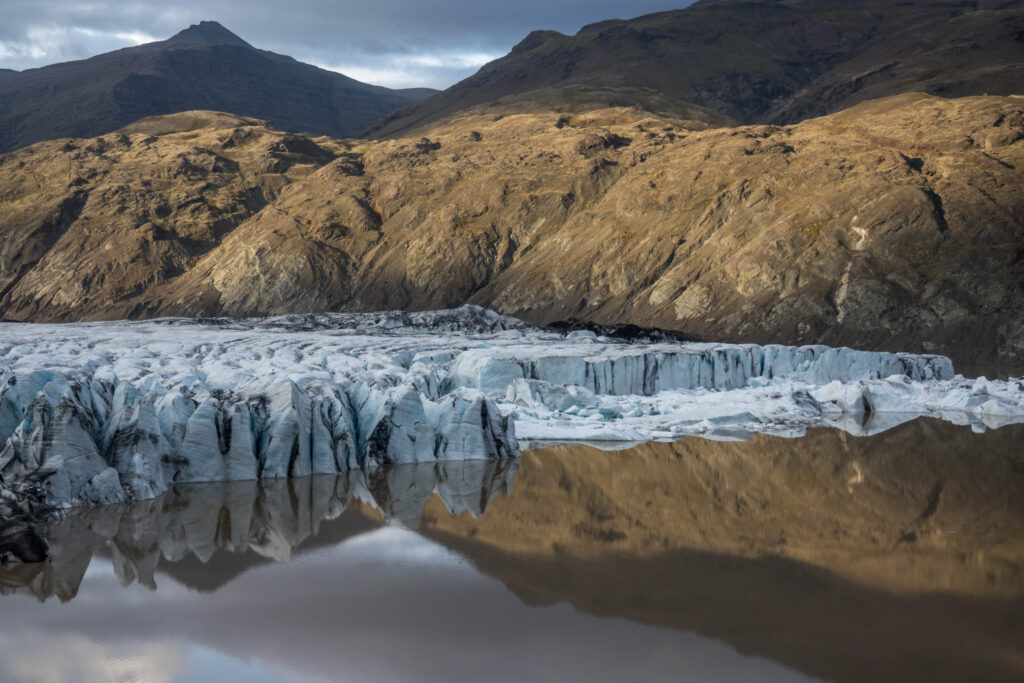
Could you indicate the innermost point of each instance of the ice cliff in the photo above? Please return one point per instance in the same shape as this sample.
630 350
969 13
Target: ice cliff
98 413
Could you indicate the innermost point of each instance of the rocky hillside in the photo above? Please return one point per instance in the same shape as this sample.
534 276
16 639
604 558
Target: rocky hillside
897 224
755 61
203 67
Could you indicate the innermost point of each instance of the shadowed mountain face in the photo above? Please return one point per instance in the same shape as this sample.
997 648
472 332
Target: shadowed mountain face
203 67
776 61
6 73
895 225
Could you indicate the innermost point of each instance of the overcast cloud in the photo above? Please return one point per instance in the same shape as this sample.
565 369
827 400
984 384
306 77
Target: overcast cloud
397 43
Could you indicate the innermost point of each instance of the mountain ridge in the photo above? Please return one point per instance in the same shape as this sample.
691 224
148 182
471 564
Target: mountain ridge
202 67
773 62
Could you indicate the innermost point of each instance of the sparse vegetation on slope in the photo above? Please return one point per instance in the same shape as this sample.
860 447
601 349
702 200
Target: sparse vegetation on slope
898 224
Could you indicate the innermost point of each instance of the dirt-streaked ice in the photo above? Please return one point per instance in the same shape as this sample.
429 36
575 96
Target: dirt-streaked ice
101 412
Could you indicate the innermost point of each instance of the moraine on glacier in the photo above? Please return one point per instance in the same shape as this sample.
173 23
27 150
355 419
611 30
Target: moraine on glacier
109 412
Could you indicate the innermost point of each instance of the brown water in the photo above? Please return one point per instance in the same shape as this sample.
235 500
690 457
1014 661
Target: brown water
893 557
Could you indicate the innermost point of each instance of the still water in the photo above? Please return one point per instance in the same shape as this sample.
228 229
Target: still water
898 556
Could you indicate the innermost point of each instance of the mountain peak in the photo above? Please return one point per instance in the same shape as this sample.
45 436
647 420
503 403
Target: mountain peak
207 33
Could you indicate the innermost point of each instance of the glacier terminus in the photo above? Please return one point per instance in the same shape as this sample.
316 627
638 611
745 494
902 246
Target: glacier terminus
98 413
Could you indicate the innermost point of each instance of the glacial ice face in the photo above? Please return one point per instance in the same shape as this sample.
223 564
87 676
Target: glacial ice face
645 370
103 412
103 442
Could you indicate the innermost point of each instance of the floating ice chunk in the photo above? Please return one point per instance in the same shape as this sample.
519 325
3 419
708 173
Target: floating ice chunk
836 397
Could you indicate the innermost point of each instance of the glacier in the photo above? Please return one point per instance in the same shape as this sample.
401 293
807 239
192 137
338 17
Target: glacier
101 413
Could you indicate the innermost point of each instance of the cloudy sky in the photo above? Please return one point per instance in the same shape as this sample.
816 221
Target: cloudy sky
397 43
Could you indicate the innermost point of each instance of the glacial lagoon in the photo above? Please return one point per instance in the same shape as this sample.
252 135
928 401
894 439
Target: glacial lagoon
893 556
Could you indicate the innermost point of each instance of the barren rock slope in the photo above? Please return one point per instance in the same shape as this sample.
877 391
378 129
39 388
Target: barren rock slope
898 224
761 61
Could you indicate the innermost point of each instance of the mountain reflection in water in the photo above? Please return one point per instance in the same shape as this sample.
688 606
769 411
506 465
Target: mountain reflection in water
893 557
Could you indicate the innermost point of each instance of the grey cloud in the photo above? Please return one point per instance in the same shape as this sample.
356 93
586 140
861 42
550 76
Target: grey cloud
393 42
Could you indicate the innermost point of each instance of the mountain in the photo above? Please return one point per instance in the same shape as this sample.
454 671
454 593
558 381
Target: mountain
203 67
897 224
6 73
772 61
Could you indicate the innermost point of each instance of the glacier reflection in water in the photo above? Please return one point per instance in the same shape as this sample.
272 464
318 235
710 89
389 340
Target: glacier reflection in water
259 521
897 556
358 598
